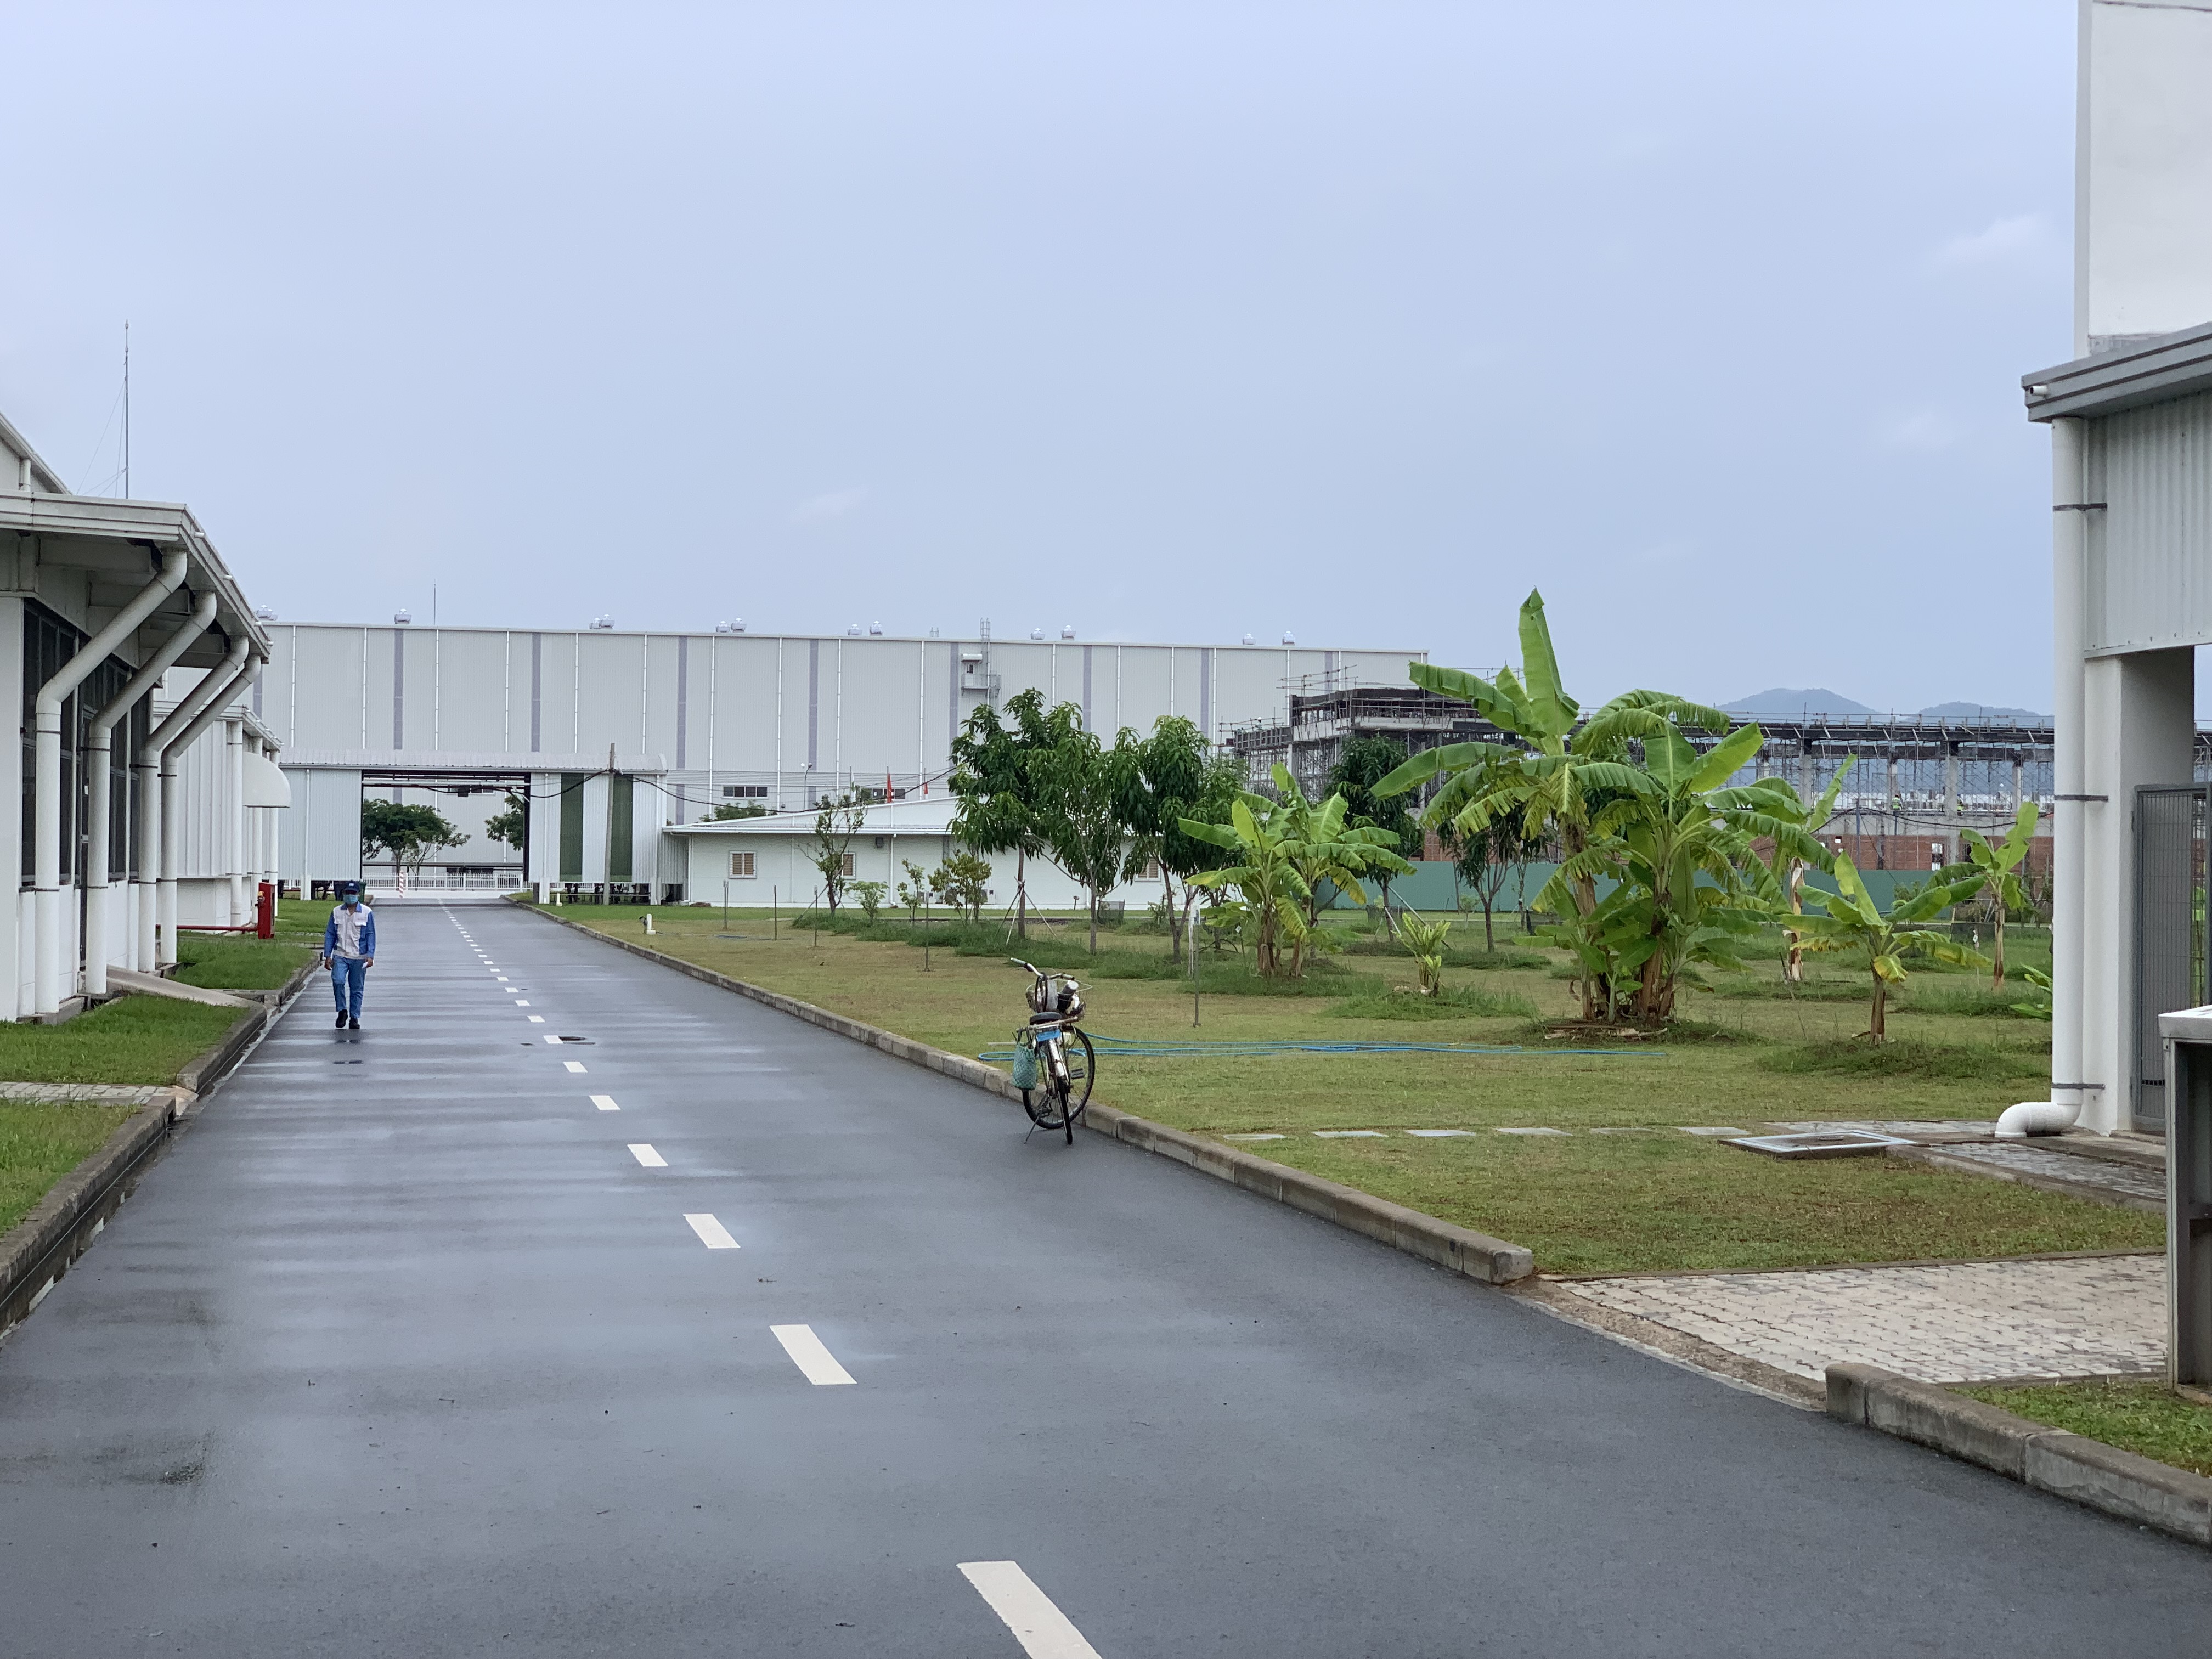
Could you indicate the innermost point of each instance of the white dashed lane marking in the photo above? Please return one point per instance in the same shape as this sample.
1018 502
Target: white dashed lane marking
807 1352
1043 1629
539 1019
605 1102
712 1233
574 1065
643 1153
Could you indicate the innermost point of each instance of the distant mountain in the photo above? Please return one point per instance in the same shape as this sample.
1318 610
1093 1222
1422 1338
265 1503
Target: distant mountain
1980 711
1781 700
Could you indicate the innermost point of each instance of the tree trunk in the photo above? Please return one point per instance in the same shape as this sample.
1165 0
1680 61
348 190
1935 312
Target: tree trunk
1585 892
1094 922
1489 940
1021 892
1793 959
1874 1027
1997 943
1175 920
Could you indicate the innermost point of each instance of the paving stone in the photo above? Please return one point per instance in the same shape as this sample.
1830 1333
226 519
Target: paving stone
2072 1317
1255 1137
1438 1134
1532 1131
1347 1134
1709 1129
2105 1174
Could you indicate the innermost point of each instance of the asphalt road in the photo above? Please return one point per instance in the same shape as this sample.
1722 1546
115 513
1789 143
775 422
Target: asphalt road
402 1350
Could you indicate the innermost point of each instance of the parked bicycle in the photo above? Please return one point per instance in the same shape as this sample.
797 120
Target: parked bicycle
1053 1061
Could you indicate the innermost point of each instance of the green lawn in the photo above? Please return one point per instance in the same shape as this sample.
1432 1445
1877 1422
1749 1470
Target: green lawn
1756 1054
130 1040
230 961
2147 1418
39 1144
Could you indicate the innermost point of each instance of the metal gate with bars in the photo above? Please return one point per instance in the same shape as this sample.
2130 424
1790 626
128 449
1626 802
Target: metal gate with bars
2170 957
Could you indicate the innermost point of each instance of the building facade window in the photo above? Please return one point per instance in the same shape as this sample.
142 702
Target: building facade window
741 864
744 792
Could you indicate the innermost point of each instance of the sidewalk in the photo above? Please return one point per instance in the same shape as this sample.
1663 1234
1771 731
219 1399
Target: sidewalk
2050 1317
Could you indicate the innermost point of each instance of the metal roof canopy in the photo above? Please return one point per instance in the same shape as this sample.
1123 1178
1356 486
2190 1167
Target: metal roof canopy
118 544
2153 371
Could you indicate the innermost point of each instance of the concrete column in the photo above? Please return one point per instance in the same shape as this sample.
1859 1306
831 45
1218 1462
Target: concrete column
2139 729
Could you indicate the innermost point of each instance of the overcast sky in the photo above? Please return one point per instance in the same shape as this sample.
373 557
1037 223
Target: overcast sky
1171 322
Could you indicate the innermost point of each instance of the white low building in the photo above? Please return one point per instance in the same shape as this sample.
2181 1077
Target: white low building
772 860
149 791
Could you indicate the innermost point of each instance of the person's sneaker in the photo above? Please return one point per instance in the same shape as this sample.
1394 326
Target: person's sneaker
341 1026
354 1023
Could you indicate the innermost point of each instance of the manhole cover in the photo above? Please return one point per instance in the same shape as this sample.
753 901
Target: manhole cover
1823 1143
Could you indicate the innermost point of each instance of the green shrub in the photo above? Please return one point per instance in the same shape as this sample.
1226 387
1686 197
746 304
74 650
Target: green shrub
1907 1057
1453 1002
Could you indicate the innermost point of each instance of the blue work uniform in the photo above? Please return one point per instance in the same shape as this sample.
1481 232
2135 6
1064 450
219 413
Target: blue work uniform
349 941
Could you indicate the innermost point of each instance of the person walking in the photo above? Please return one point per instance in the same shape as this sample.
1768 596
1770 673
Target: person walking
349 951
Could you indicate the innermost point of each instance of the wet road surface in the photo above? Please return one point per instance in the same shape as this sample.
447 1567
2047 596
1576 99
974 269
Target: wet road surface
716 1333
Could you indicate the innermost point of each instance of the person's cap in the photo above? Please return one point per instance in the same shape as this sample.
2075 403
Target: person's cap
348 889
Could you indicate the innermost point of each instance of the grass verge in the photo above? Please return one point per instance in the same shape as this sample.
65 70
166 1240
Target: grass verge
1668 1202
2147 1418
229 963
130 1040
39 1144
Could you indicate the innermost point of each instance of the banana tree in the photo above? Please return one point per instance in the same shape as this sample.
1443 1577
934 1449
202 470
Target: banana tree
1999 866
1425 940
1323 847
1854 922
1789 862
1544 776
1264 879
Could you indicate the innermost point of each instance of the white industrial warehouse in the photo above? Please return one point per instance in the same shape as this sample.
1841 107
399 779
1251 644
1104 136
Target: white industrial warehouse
622 742
149 798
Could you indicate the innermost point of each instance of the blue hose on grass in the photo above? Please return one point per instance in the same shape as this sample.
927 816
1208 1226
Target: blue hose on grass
1133 1048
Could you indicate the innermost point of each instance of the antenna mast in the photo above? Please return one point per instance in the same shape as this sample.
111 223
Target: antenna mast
126 409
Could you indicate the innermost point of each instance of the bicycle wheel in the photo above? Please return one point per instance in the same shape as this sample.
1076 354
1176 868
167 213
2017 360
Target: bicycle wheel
1081 1064
1045 1104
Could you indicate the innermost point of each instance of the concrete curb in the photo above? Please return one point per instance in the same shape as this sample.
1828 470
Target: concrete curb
200 1077
2056 1460
26 1247
1460 1250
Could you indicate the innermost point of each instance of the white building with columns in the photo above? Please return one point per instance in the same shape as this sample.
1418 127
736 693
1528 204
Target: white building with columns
149 791
2131 498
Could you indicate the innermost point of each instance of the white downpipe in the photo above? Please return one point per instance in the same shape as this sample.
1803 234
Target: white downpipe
2069 535
233 756
46 801
209 714
99 742
146 957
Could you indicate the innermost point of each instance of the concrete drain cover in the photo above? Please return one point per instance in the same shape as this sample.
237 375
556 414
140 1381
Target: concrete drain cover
1821 1143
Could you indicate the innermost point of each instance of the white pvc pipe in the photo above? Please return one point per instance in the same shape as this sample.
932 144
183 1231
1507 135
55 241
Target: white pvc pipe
210 712
145 957
99 743
46 793
2070 495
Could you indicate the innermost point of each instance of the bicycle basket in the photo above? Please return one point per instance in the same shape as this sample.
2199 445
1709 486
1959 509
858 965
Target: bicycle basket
1025 1061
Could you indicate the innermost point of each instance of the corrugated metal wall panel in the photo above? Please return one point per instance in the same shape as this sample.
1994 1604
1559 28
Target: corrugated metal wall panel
2149 569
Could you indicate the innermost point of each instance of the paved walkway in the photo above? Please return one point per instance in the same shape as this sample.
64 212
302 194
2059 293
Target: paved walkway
1978 1321
441 1338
